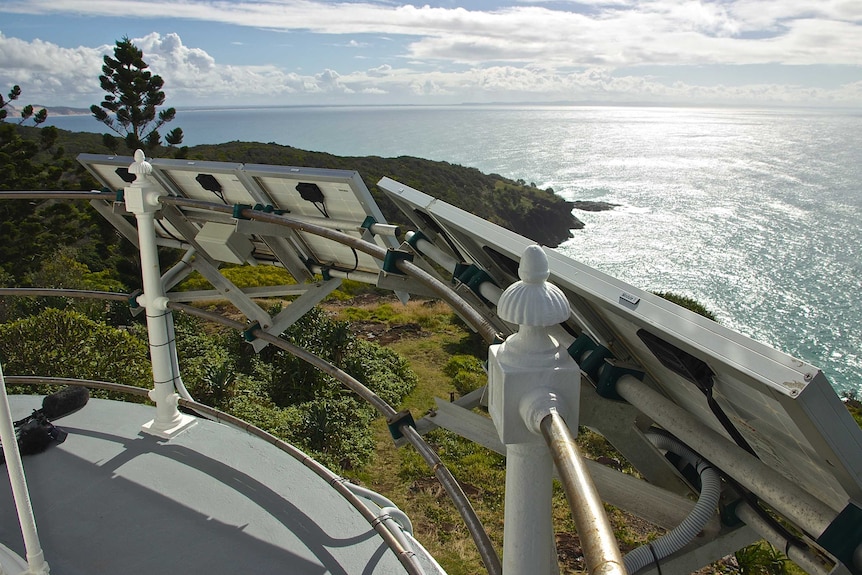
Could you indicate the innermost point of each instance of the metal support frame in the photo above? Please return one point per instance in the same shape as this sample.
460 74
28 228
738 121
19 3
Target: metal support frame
805 511
208 268
36 564
142 199
313 295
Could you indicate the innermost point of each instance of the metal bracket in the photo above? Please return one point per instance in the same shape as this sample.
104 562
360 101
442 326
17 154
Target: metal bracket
843 537
391 259
396 421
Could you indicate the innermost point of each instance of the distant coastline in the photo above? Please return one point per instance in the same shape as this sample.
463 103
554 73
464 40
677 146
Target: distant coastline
52 110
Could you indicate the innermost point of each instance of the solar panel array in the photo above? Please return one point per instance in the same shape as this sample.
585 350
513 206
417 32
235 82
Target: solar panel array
785 408
337 199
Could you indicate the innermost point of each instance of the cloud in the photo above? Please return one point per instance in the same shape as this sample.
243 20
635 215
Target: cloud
531 50
51 74
583 33
45 70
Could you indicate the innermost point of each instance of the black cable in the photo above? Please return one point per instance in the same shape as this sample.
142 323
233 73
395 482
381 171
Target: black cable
725 420
320 209
167 231
655 558
355 259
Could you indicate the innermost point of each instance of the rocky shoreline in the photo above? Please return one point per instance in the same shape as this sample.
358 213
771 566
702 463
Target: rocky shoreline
591 206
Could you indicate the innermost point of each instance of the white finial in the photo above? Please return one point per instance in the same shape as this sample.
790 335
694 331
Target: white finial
534 265
532 301
140 166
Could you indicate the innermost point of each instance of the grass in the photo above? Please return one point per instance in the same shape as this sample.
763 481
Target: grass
445 355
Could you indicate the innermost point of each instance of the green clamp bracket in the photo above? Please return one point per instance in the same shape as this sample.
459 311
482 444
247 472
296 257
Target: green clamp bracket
324 272
413 239
390 261
268 209
133 299
844 536
238 209
727 514
367 223
121 196
581 346
610 373
473 277
247 335
396 421
589 355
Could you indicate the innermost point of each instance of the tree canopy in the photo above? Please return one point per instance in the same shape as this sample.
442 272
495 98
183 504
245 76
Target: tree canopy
133 96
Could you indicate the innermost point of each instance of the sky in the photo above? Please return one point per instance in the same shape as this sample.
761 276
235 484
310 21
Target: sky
382 52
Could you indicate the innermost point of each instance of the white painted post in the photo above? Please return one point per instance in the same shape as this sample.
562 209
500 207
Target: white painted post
142 199
530 375
36 564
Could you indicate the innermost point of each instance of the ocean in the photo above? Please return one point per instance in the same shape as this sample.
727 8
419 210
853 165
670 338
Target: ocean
753 212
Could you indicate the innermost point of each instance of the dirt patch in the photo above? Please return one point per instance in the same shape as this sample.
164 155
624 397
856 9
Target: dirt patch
383 334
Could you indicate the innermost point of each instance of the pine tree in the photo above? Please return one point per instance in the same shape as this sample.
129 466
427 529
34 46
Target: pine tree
133 95
26 111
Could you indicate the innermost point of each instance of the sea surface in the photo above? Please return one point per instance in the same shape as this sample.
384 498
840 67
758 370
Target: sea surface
755 213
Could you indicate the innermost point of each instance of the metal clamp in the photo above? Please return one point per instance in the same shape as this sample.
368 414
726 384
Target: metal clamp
396 421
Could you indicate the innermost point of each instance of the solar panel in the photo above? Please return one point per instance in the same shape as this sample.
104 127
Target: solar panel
785 409
336 199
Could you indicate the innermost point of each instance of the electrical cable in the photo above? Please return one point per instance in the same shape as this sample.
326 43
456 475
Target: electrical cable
167 231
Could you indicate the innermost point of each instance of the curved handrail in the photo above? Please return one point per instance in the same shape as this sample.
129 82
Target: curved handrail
447 480
405 556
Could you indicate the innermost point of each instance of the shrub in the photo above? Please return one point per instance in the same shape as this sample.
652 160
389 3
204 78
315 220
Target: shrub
65 343
242 277
761 559
688 303
467 373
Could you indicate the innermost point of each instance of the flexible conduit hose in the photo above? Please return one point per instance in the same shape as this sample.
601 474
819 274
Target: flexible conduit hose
682 534
386 506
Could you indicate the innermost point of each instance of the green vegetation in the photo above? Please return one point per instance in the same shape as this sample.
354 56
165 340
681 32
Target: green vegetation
467 373
65 343
764 559
688 303
854 406
537 214
27 112
242 277
273 389
133 95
